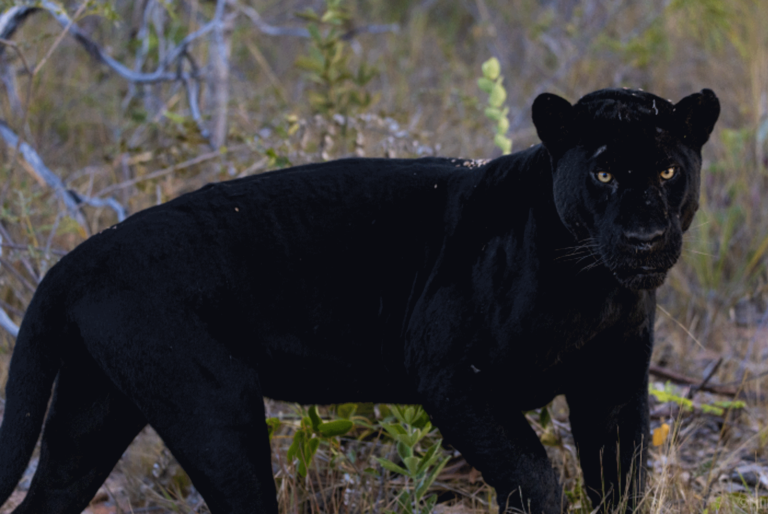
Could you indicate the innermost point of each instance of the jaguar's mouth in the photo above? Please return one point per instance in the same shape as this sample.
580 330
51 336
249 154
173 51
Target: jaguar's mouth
641 277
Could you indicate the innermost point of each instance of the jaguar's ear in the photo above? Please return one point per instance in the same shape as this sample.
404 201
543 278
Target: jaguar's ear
695 117
553 118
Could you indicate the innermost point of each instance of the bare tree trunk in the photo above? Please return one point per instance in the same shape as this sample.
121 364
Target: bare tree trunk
218 81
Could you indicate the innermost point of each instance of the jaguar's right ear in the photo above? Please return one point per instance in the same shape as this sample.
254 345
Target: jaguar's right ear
553 118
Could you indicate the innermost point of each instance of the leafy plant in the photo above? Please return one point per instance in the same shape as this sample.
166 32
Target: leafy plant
492 83
717 408
338 89
307 439
419 471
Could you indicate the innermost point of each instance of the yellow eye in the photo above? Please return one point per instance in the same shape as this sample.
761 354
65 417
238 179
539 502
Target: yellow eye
604 177
668 173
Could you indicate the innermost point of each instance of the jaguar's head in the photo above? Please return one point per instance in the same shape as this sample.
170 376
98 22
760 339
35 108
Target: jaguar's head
626 173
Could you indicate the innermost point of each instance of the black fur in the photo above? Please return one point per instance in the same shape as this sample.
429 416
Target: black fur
480 290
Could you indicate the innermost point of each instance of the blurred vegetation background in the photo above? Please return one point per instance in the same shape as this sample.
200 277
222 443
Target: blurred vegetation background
142 101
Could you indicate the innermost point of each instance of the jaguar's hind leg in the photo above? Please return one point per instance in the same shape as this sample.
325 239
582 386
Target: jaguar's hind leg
228 461
218 434
89 425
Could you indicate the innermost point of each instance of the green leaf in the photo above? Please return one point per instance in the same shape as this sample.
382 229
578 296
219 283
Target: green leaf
405 503
503 126
485 84
272 424
429 458
309 64
545 418
314 417
498 95
404 451
176 118
427 483
391 466
302 469
422 421
429 503
730 404
412 463
665 397
503 142
394 430
711 409
493 113
298 442
399 413
335 428
346 410
310 448
331 16
308 14
314 33
409 439
491 68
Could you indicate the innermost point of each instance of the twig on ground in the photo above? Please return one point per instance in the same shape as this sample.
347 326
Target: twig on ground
693 390
684 379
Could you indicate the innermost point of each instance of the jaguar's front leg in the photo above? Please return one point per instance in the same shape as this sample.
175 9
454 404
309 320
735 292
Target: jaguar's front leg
609 421
499 443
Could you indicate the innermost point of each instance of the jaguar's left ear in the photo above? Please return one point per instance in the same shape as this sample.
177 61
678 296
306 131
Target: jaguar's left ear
695 117
553 118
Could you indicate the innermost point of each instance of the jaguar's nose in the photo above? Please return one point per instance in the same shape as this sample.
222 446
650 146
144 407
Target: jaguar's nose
644 239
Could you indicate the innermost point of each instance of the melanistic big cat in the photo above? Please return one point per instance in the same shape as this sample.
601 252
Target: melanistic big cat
479 290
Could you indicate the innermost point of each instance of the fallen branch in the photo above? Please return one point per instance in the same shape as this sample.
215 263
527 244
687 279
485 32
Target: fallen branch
684 379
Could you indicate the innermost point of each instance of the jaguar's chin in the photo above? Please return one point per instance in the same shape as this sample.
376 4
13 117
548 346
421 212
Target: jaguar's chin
642 277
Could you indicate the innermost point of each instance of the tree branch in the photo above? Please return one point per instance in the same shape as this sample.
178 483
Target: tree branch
7 324
71 199
11 19
684 379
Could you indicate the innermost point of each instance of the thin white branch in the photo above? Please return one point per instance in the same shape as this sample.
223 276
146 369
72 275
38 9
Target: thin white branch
71 199
7 324
8 78
12 18
193 98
